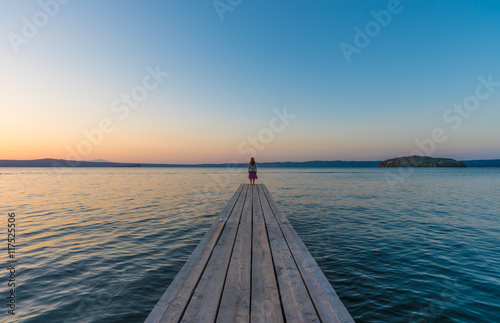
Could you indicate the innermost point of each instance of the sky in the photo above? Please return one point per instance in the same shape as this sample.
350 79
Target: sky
185 81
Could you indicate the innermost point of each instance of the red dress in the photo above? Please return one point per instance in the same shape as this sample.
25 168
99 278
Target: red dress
252 173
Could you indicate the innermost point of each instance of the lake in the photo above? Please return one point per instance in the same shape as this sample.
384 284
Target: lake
398 245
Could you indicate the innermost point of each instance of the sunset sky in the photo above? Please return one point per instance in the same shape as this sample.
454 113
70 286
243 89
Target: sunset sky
200 81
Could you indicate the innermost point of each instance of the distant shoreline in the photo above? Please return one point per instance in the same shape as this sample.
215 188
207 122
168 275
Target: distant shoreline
47 162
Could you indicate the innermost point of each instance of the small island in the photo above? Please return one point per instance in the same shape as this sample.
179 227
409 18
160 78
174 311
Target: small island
421 161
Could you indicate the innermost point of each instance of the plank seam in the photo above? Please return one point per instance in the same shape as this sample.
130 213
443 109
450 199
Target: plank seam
208 260
272 258
230 258
296 263
251 262
332 298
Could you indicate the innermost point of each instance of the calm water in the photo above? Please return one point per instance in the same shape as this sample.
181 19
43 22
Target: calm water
102 245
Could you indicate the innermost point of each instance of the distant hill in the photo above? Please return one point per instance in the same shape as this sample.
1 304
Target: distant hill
421 161
424 162
48 162
317 163
64 163
483 163
99 161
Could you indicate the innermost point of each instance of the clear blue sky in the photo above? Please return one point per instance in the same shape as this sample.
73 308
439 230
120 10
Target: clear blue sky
225 77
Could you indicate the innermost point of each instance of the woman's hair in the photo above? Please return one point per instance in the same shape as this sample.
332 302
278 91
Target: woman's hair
252 161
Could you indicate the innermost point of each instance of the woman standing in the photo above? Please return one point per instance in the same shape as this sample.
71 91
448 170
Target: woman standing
252 171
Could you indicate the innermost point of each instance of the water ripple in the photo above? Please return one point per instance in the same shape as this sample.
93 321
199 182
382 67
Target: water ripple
102 245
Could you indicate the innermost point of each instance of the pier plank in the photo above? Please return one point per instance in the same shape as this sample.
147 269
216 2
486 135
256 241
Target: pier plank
266 305
326 300
209 290
296 302
235 302
251 266
175 299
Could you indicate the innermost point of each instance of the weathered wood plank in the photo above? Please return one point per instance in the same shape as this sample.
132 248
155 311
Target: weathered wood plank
327 303
253 266
235 302
265 300
204 303
175 299
296 302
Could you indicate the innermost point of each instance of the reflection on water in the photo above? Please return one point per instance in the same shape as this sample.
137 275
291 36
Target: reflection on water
102 244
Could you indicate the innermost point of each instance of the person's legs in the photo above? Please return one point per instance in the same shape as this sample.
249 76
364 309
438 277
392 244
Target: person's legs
252 176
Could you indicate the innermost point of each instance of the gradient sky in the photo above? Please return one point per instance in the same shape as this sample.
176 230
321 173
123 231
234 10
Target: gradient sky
226 77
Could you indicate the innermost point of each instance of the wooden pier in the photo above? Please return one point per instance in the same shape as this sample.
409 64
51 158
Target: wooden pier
251 266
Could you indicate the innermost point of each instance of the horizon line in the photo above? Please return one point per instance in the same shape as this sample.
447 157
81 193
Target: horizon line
97 161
